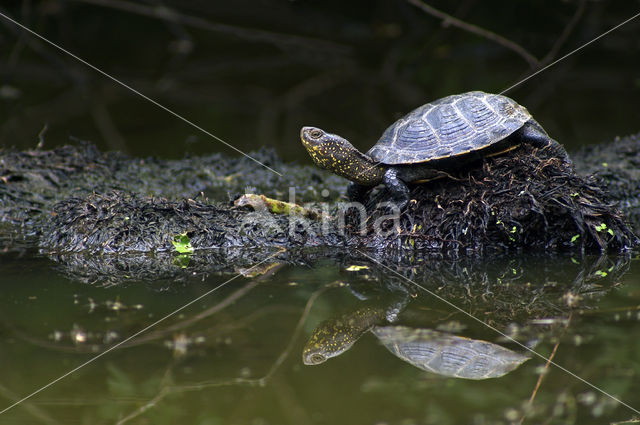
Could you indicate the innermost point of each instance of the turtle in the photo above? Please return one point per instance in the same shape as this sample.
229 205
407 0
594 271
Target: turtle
380 304
435 138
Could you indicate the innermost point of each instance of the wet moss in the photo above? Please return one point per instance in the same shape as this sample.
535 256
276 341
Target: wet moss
615 167
77 199
527 200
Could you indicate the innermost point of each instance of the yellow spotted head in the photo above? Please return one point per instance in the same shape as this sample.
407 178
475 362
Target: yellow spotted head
336 154
330 339
327 150
335 336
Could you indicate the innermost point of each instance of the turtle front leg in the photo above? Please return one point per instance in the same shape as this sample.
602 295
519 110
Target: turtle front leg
356 192
397 187
531 132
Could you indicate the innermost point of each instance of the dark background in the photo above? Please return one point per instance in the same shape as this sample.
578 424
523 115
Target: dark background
253 72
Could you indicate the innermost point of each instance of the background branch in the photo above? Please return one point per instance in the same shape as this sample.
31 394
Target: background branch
474 29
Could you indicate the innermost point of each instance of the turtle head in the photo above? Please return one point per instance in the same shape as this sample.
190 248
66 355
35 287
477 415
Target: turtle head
336 154
335 336
328 151
330 339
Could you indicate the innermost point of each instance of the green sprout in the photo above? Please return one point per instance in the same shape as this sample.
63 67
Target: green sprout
182 244
601 227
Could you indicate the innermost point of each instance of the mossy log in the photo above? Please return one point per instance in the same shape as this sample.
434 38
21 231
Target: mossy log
76 199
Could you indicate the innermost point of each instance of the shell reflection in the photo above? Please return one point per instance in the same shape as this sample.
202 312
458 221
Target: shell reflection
449 355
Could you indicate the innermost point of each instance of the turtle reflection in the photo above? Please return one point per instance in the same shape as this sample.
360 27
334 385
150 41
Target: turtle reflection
448 355
430 350
335 336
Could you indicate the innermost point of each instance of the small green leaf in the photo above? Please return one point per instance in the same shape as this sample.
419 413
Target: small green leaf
574 238
182 244
601 273
610 232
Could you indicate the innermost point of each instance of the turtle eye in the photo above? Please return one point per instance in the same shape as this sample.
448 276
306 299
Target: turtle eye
317 358
315 134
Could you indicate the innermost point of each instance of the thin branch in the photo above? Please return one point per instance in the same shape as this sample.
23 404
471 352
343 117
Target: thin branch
565 34
540 378
166 389
33 410
451 20
167 14
544 373
106 125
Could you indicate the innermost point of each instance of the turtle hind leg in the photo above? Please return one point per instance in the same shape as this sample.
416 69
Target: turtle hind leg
532 133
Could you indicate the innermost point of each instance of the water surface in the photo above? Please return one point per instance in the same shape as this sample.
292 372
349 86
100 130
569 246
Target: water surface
235 356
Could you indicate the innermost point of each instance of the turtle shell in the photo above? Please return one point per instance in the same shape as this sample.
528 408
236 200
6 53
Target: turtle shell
452 126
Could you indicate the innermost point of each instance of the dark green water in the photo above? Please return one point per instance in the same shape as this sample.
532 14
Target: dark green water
253 73
234 357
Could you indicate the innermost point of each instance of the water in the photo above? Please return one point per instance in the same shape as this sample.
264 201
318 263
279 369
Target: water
235 357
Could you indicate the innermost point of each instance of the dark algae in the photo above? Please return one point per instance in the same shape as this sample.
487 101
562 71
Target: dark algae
525 200
76 199
615 166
